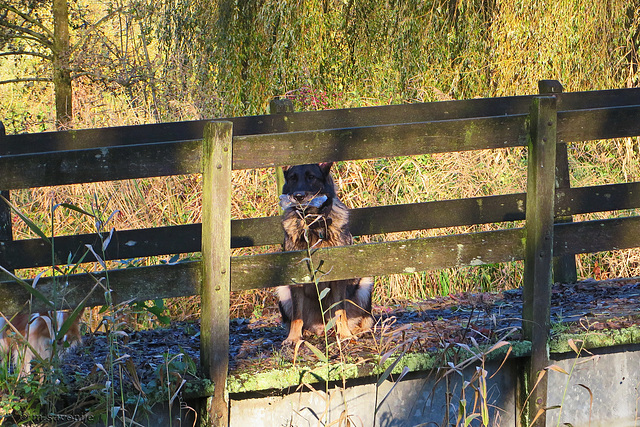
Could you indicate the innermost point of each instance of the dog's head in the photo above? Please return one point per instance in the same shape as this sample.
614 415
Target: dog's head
308 188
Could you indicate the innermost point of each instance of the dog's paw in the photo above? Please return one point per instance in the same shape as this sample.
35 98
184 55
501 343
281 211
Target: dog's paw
348 336
291 341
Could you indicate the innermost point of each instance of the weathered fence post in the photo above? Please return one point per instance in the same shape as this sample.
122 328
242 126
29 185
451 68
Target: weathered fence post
564 267
216 253
539 250
280 106
5 211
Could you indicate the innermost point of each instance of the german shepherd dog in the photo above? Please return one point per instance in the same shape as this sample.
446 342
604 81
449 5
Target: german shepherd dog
314 217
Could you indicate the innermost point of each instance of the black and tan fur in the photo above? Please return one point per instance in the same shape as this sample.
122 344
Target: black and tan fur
314 217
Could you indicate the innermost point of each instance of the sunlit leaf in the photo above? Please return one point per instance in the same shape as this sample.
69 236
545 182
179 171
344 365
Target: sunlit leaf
32 226
557 368
319 354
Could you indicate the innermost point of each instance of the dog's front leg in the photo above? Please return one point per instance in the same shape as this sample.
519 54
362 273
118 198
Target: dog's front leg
340 313
297 306
342 324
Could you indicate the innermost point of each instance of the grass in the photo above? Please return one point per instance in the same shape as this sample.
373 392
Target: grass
112 392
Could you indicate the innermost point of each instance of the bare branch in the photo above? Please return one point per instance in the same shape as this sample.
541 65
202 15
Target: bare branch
95 25
22 52
30 19
26 80
25 37
83 74
41 38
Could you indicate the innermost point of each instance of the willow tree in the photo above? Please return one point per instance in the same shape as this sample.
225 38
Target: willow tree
331 54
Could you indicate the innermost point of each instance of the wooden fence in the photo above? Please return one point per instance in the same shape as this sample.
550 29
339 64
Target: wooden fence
544 123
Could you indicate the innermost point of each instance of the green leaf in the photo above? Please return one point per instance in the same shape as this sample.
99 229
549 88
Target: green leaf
75 208
66 325
320 355
404 372
75 267
33 291
95 255
106 241
462 410
324 293
111 217
27 221
469 419
388 371
74 315
332 306
330 324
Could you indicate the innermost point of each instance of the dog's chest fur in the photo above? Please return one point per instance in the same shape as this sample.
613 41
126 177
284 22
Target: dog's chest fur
331 230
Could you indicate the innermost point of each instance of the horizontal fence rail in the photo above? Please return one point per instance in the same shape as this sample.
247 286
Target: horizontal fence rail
543 124
128 244
182 156
166 149
282 268
305 121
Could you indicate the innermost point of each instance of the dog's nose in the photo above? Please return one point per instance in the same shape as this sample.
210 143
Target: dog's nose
299 196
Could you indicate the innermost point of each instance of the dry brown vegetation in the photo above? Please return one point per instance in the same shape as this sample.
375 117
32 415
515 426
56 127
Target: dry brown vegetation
441 50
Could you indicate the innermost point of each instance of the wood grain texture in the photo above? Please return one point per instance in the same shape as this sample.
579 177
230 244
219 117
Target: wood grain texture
128 244
184 279
267 150
216 271
310 120
377 259
280 107
6 233
538 259
100 164
564 267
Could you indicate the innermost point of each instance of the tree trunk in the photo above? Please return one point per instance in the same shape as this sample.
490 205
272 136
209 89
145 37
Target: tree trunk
61 68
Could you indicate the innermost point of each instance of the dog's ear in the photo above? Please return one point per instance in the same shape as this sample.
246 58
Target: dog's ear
325 167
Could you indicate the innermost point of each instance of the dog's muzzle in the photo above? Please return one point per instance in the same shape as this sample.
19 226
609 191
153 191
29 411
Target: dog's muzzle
302 202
